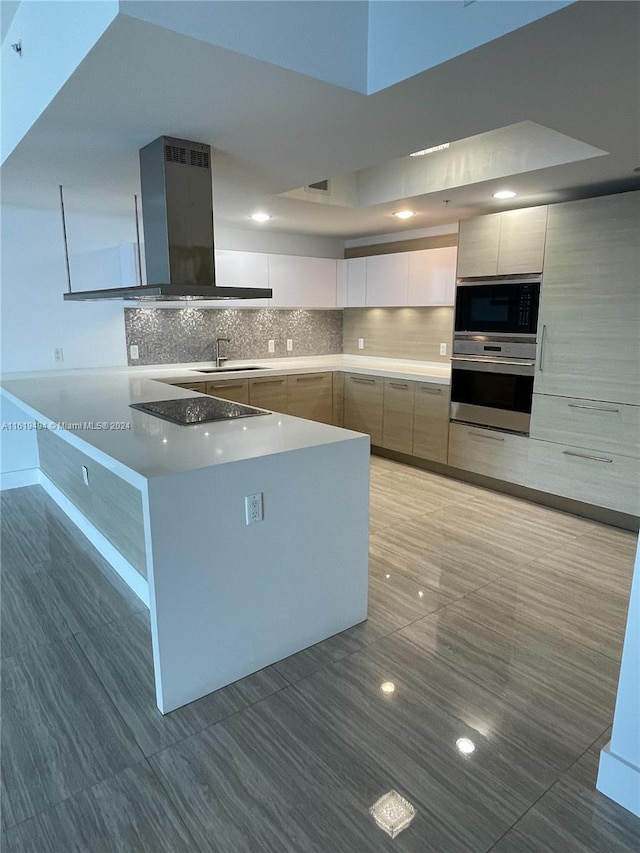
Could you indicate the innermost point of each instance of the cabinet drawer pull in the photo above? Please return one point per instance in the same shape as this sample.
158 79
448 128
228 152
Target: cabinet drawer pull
542 337
483 435
593 408
228 385
269 381
586 456
367 381
426 390
309 378
398 384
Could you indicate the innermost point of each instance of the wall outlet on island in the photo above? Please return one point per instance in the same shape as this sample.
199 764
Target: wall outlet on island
289 345
253 508
360 343
271 346
133 352
443 349
58 354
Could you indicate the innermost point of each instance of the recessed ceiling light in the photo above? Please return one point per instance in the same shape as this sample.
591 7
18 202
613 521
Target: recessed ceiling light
404 214
465 745
505 194
388 687
260 217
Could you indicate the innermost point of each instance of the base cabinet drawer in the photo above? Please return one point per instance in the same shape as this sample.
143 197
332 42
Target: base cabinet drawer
489 452
363 405
269 393
397 418
595 477
338 399
310 396
236 390
586 423
192 386
431 421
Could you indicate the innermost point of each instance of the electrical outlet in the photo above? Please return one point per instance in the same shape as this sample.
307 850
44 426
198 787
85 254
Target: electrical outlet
85 475
253 508
134 352
58 354
289 345
272 346
360 343
443 349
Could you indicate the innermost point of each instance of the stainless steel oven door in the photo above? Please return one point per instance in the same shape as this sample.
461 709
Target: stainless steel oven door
492 392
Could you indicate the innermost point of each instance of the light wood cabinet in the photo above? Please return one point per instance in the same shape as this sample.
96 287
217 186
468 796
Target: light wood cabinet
232 389
595 477
590 306
609 427
269 392
431 421
387 279
489 452
363 405
338 399
397 419
301 282
310 396
192 386
478 243
505 243
432 277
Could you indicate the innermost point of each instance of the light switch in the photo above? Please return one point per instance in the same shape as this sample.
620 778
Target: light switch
272 346
134 352
443 349
289 345
360 343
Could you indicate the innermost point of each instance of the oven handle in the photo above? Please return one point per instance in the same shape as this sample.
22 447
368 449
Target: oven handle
493 365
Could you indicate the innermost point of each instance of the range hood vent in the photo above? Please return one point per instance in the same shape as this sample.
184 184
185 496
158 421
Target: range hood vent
177 213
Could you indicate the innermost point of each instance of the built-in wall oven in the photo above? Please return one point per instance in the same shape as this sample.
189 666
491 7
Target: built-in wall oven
494 352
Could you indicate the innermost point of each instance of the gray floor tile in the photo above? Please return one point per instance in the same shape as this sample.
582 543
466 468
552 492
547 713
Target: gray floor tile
130 812
28 614
120 653
60 733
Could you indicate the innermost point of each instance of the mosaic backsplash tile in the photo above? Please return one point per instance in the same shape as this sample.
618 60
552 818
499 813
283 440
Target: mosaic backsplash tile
175 336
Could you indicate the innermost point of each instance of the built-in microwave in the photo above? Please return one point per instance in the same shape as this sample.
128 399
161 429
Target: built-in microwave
505 306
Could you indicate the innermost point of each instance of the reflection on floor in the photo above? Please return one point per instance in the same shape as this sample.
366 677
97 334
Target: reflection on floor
494 625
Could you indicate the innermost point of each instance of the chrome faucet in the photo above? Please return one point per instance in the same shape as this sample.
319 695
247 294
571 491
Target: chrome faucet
220 358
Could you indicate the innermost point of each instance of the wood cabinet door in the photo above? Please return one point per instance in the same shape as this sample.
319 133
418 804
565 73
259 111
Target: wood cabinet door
363 403
301 282
590 306
233 389
387 279
269 393
489 452
432 276
478 242
310 396
431 421
397 420
522 239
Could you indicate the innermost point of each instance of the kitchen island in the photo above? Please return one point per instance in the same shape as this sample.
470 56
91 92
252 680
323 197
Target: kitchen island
166 505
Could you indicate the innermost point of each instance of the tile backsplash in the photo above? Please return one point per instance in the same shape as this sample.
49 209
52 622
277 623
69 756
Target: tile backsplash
175 336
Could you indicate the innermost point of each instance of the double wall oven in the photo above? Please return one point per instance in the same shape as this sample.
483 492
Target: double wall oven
494 352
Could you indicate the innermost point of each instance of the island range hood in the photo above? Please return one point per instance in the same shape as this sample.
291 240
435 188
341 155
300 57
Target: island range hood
177 214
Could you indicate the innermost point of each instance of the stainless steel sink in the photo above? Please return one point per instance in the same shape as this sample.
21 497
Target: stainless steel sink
226 369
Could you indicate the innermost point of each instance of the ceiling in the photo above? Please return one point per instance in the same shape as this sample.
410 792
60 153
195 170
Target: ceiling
574 74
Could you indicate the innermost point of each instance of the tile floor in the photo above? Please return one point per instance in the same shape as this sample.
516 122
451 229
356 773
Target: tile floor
496 620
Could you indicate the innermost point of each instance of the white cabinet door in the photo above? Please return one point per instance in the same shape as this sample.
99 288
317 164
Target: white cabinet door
300 282
241 269
432 276
356 282
387 279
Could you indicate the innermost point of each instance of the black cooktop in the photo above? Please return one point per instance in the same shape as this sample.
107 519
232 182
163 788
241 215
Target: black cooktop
197 410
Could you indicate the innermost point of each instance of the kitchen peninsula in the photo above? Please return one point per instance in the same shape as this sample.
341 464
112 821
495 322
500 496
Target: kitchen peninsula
166 504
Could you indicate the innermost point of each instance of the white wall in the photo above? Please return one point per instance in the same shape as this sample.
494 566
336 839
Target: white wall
276 243
34 317
55 39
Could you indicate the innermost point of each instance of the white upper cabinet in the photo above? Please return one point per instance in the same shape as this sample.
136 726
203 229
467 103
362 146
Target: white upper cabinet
387 279
432 277
241 269
300 282
356 275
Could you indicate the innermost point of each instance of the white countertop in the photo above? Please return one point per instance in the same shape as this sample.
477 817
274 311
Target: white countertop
90 406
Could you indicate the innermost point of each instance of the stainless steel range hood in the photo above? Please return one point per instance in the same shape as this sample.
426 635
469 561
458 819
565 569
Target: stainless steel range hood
177 214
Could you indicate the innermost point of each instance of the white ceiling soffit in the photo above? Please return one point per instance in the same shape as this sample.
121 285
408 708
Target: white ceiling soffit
520 148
